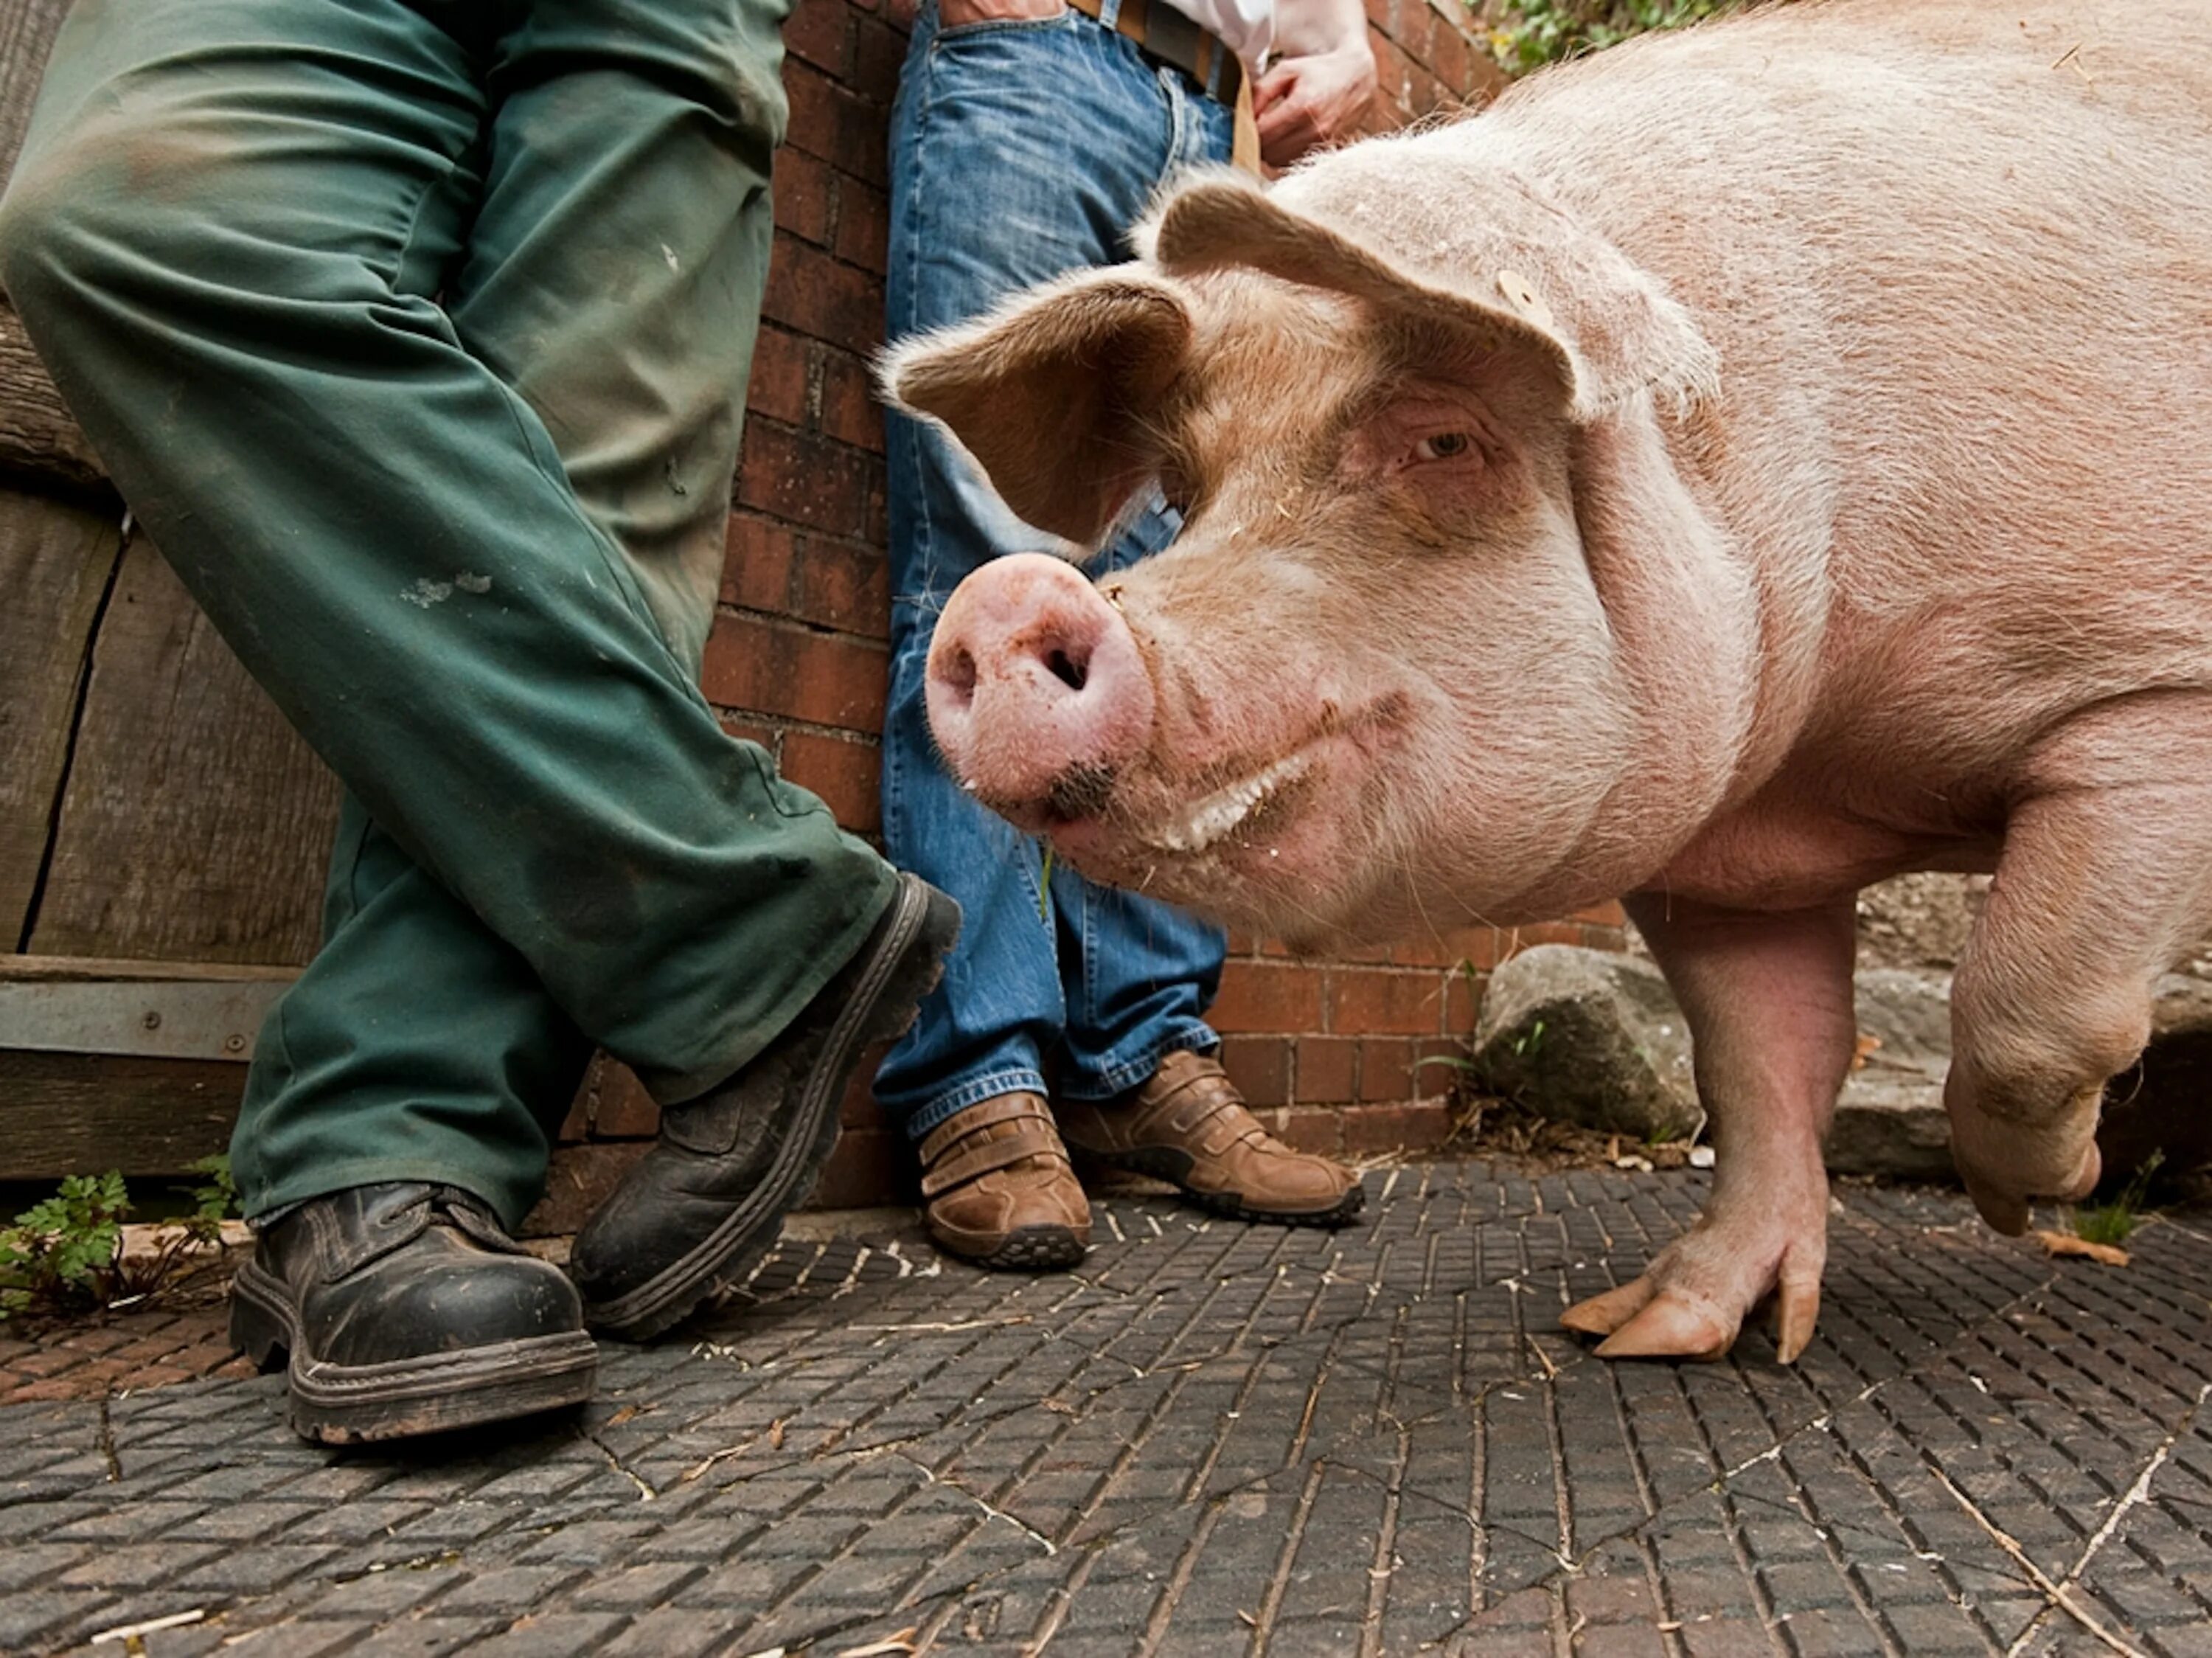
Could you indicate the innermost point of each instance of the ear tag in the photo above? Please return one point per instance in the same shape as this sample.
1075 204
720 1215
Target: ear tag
1524 298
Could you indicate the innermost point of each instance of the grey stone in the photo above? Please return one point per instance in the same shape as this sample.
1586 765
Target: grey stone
1889 1120
1588 1037
1598 1039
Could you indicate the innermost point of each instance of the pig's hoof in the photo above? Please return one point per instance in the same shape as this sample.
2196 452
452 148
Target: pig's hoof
2004 1184
1667 1313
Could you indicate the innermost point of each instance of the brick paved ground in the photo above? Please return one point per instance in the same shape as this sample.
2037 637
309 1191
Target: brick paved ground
1218 1439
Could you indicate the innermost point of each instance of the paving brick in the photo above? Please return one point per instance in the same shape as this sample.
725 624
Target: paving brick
1206 1415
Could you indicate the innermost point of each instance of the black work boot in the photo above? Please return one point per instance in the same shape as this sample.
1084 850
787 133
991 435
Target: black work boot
406 1309
701 1209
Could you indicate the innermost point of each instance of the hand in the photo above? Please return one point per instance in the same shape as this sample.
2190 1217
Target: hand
1314 100
955 14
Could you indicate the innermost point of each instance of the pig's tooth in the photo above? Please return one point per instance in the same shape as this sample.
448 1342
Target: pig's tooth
1222 811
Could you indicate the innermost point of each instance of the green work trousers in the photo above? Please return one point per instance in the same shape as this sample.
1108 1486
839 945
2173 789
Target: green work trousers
417 336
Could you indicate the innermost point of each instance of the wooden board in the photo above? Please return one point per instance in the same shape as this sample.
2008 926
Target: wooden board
196 825
55 563
39 439
36 433
63 1114
27 39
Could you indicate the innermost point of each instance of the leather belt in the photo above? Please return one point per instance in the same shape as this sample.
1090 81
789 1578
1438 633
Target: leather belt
1162 32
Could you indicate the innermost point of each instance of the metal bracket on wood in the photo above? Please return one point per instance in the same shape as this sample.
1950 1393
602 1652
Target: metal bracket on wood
156 1010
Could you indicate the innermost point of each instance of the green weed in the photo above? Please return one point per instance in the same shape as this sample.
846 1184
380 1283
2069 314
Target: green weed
66 1252
2112 1222
1542 32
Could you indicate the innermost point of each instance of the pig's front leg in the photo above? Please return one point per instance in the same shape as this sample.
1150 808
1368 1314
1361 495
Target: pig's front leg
1768 998
2103 881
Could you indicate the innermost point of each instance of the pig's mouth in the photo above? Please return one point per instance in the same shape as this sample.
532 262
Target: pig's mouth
1206 822
1279 826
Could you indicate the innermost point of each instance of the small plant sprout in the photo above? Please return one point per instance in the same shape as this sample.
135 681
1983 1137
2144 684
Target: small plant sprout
67 1251
2112 1222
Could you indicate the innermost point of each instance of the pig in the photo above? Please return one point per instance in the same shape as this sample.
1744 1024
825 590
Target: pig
1733 469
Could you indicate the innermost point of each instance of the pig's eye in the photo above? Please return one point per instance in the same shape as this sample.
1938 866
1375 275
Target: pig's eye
1445 445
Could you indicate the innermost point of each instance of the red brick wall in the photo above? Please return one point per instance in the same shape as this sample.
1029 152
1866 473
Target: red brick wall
1329 1050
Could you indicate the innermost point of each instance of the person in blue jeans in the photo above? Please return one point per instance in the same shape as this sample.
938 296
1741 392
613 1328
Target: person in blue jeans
1029 138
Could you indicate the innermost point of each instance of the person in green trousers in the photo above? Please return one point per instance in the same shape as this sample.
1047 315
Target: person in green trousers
416 335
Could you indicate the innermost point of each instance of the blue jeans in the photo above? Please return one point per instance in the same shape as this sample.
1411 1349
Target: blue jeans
1019 151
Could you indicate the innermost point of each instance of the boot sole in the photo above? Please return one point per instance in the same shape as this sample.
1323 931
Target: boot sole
1164 1163
358 1404
883 1005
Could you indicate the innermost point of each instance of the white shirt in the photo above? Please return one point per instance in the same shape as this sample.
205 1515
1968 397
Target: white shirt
1247 28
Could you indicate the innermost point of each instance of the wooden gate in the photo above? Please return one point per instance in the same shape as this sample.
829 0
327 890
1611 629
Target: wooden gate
162 832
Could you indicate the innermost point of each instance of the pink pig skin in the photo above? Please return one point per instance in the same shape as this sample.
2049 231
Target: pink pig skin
1738 467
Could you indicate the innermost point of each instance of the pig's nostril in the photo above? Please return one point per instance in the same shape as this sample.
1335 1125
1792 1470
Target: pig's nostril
1065 669
957 672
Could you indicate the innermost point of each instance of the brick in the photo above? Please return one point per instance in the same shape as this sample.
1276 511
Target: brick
1453 60
803 477
823 678
1614 939
1414 32
880 51
1385 1001
1328 1070
820 32
864 225
1259 1066
805 196
1312 1130
577 1182
758 556
623 1110
1393 74
841 771
1463 1001
868 1166
847 407
815 294
779 385
1421 1127
1608 914
844 585
767 737
1386 1069
1266 996
859 1108
577 1124
849 131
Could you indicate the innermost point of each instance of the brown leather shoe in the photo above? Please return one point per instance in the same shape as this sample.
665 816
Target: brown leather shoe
997 1187
1189 1126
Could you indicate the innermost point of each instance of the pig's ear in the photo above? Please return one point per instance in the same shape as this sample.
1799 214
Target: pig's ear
1050 392
1568 303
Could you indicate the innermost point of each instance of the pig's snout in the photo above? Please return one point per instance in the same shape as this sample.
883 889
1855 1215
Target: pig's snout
1037 692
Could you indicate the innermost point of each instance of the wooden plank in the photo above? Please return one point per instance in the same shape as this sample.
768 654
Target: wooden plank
97 970
55 563
61 1114
195 825
27 39
38 437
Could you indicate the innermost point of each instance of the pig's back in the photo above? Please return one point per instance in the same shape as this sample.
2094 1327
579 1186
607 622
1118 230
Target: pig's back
1956 260
1957 263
